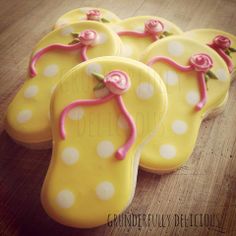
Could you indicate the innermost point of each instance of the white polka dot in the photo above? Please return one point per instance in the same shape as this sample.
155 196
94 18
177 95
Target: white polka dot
126 51
221 74
102 38
170 77
192 97
167 151
51 70
175 48
93 67
105 149
70 155
76 113
65 199
179 127
24 116
145 91
122 122
101 92
105 190
31 91
67 30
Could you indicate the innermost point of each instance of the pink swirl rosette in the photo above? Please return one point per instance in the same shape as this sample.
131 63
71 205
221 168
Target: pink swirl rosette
87 37
222 42
154 26
117 82
201 62
93 15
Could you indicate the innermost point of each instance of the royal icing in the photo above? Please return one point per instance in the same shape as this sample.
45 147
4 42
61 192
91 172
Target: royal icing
201 63
117 82
222 42
195 88
81 42
54 55
97 157
139 32
86 13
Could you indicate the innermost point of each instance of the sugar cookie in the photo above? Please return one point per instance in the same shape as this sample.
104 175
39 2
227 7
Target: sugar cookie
139 32
222 42
197 81
27 118
86 13
98 138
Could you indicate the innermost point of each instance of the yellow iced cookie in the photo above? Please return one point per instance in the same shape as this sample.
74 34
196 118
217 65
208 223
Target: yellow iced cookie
27 118
100 123
86 13
139 32
197 81
222 42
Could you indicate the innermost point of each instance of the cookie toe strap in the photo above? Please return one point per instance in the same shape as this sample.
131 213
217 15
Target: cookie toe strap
121 152
42 51
87 102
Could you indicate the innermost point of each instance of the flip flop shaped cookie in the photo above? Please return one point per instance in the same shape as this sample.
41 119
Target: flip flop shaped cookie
27 118
222 42
139 32
197 81
86 13
98 138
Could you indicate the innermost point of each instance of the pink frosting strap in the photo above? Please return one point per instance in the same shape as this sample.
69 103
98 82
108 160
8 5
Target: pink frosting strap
117 82
85 38
170 62
51 47
121 152
152 28
200 63
87 102
220 44
203 90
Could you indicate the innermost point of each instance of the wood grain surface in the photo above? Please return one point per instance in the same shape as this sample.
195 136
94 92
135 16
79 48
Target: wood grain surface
205 187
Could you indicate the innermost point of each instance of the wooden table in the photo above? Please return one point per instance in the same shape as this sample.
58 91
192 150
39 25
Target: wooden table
205 185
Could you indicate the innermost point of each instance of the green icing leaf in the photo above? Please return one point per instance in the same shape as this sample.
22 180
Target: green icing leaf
166 33
206 79
75 34
227 51
74 41
232 49
99 85
211 75
98 76
104 20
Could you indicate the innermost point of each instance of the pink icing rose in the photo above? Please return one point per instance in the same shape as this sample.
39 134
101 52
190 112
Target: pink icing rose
87 37
93 15
201 62
222 42
154 26
117 82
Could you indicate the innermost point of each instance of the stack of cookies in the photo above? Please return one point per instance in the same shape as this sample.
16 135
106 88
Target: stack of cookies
111 95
